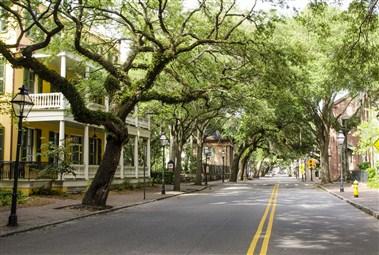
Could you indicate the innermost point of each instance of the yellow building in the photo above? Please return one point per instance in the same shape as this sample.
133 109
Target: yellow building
50 121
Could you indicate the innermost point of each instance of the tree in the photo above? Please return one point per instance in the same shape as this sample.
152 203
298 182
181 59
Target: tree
321 36
156 40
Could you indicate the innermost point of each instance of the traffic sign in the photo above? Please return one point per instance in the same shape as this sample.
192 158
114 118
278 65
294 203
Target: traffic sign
311 163
376 144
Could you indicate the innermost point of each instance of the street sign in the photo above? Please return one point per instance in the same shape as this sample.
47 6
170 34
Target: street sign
376 144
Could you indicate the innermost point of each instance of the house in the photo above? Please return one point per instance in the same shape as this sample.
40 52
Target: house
347 107
50 121
221 156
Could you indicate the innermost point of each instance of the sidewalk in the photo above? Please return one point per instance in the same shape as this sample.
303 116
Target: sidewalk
368 200
53 211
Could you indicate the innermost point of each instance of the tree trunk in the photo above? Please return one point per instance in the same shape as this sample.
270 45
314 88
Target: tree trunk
97 193
243 169
324 173
235 164
178 166
199 159
244 163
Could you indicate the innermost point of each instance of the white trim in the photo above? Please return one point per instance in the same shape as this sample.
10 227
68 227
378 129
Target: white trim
148 160
136 156
63 70
86 151
121 163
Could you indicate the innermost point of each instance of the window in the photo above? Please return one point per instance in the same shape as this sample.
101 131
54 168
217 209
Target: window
1 143
29 78
28 141
129 152
38 144
40 85
142 143
76 149
53 139
95 151
2 75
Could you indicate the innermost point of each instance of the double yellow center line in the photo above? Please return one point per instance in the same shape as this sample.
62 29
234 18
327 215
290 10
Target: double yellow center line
271 205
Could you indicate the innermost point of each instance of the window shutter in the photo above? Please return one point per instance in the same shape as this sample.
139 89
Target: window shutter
2 75
1 143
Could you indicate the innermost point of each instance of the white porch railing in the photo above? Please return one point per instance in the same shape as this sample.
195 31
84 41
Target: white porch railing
129 172
49 101
79 171
142 122
92 171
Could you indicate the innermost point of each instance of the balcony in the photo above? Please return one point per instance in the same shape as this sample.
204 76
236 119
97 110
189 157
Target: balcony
57 101
47 101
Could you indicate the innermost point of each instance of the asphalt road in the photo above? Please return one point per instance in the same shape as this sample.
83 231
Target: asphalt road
269 216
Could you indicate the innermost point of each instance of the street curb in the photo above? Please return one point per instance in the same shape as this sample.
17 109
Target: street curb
353 203
100 212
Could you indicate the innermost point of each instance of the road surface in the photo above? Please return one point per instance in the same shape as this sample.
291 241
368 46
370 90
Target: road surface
274 215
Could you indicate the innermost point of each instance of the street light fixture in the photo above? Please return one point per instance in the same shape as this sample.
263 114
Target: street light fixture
164 142
340 141
223 164
22 105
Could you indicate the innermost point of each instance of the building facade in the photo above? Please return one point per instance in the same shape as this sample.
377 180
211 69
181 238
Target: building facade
50 123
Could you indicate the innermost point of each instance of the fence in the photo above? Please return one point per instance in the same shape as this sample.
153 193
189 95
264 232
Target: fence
27 170
215 172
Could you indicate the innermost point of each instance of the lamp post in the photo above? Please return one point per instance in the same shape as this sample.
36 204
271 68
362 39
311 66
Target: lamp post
207 153
164 142
144 170
223 164
340 141
21 105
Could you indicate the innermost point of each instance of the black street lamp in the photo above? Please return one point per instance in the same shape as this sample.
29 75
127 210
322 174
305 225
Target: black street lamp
207 153
340 141
223 164
21 105
164 142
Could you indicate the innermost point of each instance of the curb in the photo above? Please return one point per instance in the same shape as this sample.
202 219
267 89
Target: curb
116 208
355 204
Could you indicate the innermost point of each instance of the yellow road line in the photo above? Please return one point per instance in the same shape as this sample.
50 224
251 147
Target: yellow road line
269 226
254 242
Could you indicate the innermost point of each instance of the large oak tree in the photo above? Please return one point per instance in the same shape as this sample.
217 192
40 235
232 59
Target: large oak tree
159 33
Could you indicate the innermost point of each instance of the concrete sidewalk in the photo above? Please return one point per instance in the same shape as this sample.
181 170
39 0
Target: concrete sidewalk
368 200
58 210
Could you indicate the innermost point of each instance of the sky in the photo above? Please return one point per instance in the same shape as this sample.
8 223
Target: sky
287 9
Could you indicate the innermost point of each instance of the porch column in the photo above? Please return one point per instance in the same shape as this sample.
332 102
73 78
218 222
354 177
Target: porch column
86 151
61 141
121 163
136 155
148 157
63 64
106 103
105 140
61 133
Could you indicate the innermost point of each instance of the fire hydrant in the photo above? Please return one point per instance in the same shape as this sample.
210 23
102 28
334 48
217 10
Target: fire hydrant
355 189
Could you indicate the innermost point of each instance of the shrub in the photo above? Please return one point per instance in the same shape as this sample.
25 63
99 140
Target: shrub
168 177
371 173
6 198
125 185
44 191
364 165
373 177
